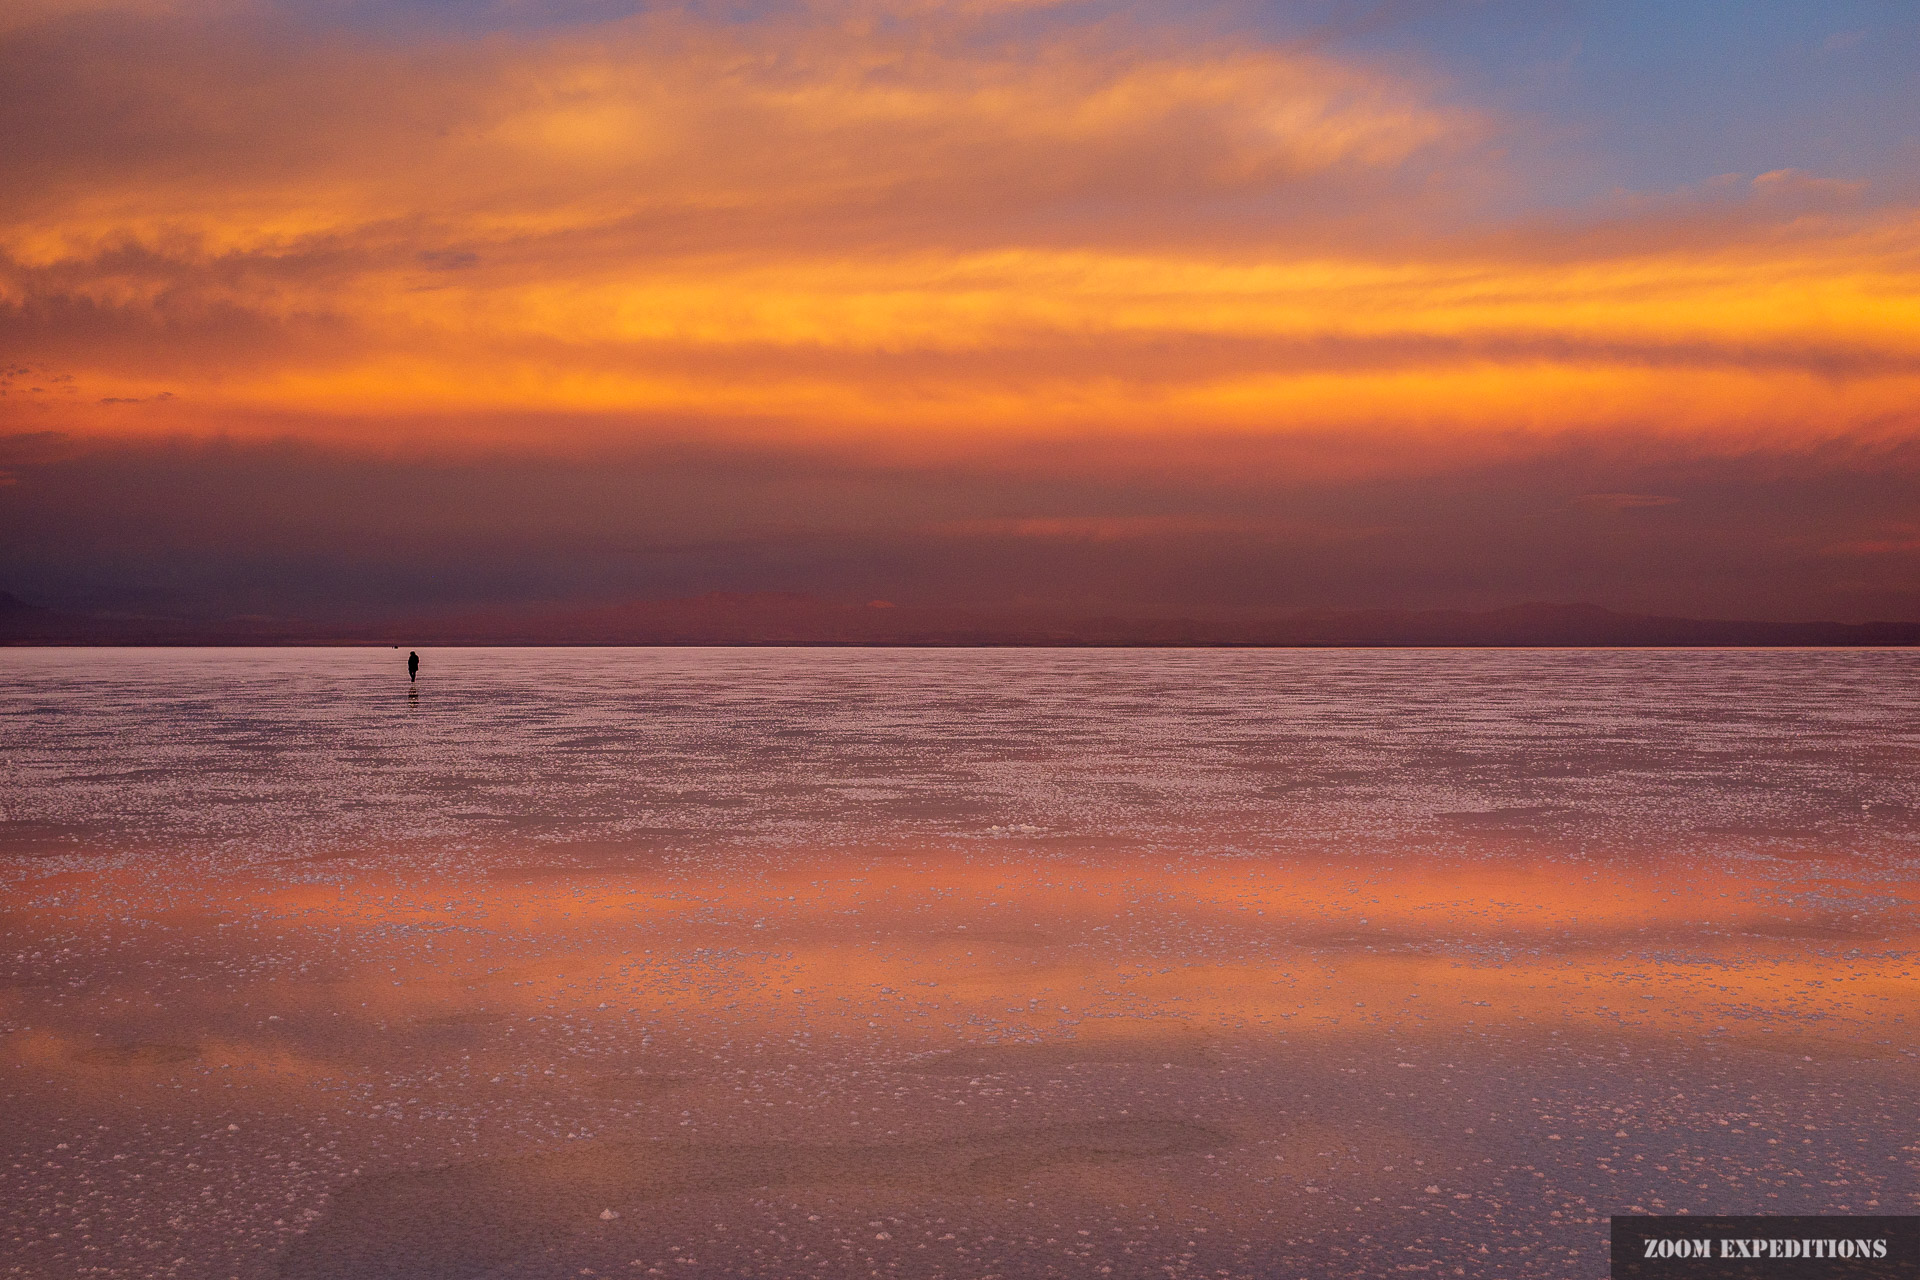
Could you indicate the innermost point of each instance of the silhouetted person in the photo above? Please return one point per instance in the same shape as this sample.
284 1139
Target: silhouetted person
413 666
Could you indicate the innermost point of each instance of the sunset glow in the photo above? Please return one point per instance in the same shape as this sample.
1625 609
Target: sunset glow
846 222
1041 249
958 639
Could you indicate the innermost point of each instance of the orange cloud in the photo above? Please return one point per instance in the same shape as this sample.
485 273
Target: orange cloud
885 224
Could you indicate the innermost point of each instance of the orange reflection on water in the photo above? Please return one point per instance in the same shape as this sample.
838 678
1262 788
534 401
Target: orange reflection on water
931 953
968 1050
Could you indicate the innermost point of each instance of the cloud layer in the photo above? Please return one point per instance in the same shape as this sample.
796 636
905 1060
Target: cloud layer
887 237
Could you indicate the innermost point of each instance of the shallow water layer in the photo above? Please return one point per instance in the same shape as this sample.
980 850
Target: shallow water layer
945 963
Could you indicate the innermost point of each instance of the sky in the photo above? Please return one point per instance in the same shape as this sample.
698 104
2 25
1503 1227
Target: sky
335 309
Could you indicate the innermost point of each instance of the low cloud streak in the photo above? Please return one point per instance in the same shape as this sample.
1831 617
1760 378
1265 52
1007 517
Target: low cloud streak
294 531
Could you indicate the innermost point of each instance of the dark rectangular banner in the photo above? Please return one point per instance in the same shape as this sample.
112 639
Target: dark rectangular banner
1789 1248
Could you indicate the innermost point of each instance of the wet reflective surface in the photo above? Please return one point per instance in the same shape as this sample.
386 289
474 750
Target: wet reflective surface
945 963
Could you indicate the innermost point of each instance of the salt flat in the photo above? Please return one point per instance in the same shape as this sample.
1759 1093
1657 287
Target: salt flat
945 963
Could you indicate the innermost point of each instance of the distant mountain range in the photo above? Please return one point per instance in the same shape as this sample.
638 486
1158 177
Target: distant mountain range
773 618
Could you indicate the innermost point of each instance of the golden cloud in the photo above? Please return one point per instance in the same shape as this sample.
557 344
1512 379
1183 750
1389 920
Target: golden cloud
888 223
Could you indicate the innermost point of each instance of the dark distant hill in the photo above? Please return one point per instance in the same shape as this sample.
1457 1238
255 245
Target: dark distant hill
1581 625
773 618
17 614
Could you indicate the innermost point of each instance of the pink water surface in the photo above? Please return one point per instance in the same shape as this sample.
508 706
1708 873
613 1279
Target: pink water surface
908 963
